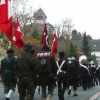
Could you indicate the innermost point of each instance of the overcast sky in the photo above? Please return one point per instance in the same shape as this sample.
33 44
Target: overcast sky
85 14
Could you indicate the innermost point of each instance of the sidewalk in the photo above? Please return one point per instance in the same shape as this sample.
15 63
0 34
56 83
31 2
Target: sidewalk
98 97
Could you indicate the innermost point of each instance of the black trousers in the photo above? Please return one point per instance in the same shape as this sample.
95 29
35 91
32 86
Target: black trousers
62 85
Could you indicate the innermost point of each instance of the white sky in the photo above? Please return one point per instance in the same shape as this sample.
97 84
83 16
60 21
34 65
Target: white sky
85 14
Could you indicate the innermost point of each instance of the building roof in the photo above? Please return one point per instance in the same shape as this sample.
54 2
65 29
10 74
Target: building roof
39 13
95 44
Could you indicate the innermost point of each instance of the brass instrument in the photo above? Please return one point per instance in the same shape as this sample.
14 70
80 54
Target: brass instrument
82 58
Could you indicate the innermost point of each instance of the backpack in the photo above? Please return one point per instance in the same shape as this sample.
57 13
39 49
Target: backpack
45 60
60 73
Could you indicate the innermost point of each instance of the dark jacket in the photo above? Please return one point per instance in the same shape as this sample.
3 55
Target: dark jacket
7 67
73 70
84 73
92 71
98 72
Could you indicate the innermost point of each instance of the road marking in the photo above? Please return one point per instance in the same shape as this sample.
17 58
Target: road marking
94 97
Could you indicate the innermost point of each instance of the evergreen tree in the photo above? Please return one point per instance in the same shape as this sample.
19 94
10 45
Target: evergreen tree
35 34
86 48
73 49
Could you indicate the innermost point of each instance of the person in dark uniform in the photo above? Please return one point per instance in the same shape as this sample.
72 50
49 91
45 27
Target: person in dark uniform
25 67
7 73
47 74
98 74
73 68
84 72
61 70
77 67
92 69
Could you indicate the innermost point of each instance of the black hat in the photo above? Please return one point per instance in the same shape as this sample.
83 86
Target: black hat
27 47
45 48
10 51
61 54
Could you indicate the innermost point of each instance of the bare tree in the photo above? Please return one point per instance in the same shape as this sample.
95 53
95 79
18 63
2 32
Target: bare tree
23 10
57 29
64 28
67 27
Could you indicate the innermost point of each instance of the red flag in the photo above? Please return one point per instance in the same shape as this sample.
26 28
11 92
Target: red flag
6 21
17 38
3 11
54 45
44 39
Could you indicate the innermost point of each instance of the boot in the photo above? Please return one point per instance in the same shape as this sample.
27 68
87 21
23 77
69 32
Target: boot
69 92
7 99
61 97
75 94
48 97
43 98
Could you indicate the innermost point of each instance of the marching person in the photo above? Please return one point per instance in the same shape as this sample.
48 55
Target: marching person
98 74
25 67
73 67
61 70
92 69
7 73
47 74
85 74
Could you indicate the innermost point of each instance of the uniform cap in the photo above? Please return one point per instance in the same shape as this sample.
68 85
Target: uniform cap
61 54
10 51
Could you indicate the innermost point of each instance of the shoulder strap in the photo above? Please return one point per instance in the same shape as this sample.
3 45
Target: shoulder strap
59 67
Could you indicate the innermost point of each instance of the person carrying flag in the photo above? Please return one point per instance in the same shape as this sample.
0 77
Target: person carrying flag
48 73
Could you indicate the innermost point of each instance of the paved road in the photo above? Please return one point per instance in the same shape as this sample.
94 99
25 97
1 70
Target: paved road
83 95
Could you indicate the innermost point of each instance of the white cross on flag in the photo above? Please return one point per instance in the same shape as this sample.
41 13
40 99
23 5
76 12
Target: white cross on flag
17 38
44 39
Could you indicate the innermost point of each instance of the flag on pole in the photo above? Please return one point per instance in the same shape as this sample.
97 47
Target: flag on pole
54 45
17 37
3 11
44 39
6 19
